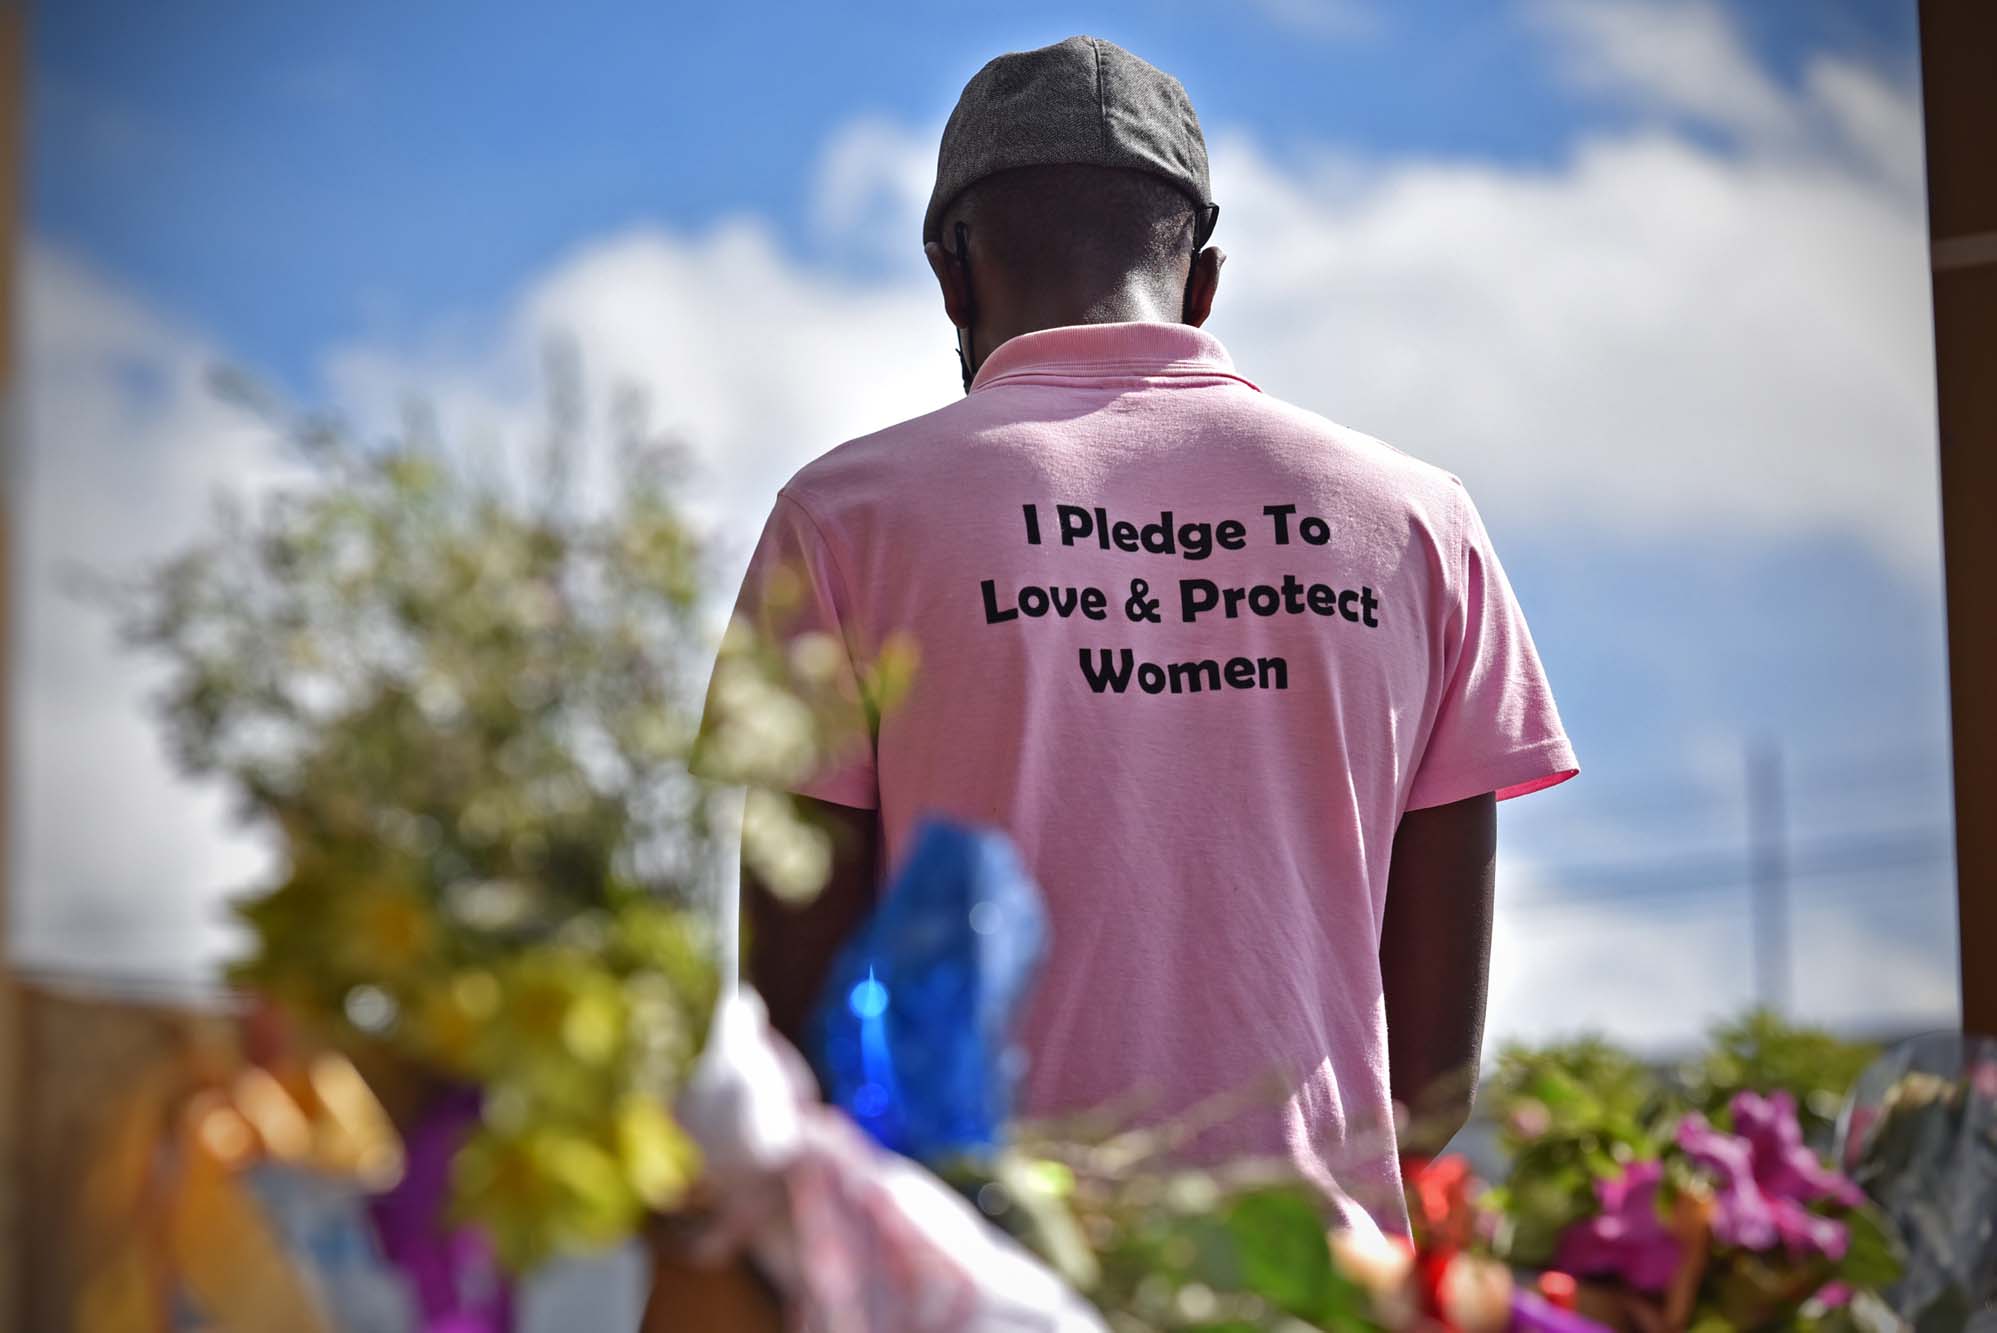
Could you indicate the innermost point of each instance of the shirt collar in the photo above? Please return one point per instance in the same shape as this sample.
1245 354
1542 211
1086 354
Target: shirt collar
1138 347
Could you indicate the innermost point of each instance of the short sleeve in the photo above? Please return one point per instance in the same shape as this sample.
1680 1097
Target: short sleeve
1497 728
793 620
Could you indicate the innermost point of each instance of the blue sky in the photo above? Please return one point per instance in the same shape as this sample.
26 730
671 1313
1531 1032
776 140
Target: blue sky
292 175
1648 275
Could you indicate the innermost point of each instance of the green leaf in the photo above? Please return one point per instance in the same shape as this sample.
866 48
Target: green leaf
1282 1251
1872 1259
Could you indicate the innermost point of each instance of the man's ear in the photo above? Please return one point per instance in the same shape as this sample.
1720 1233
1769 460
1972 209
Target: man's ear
950 277
1202 283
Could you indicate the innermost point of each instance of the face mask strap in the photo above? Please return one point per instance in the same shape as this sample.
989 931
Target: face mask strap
970 313
1202 231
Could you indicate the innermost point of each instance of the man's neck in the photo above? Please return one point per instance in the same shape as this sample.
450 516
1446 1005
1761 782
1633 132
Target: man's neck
1027 312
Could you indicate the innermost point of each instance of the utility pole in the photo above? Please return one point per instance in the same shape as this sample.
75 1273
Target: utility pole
1768 852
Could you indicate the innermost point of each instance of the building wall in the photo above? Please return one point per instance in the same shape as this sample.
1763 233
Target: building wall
1958 53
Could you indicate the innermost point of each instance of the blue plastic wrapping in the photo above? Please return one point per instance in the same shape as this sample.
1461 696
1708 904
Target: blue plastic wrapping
912 1035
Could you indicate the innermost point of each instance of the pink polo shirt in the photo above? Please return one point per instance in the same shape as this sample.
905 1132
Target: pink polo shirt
1196 650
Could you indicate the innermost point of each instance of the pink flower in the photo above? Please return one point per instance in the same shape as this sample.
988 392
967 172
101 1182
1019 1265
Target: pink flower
1529 1120
1741 1214
1765 1177
1783 1164
1805 1232
1626 1238
1863 1118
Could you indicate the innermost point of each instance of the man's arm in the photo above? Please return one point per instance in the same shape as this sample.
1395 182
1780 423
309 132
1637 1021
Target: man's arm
789 948
1435 960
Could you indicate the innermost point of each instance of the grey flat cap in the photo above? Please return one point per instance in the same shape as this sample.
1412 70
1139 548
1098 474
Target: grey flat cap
1081 101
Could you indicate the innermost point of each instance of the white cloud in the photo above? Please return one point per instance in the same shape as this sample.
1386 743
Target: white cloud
1686 61
1657 973
757 362
1878 122
1653 339
1682 56
116 862
872 185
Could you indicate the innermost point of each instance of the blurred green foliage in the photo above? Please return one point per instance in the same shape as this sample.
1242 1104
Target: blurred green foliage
1224 1250
1570 1113
1763 1051
1567 1114
466 708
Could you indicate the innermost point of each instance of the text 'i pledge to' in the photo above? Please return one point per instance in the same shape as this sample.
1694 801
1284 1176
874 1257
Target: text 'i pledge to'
1195 541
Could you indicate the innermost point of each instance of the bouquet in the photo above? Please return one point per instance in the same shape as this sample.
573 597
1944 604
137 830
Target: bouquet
1919 1133
1734 1225
466 711
1687 1202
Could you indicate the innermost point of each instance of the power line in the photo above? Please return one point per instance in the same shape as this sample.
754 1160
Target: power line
1719 872
1826 771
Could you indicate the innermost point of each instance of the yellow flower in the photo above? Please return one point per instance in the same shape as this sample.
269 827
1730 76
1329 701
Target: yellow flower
659 1158
388 929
